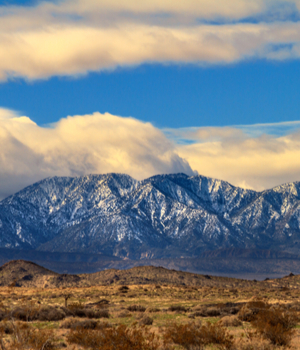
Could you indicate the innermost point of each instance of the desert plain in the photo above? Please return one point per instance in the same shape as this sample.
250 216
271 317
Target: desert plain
145 307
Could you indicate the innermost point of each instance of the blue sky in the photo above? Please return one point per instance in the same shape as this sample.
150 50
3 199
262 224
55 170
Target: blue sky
200 87
168 96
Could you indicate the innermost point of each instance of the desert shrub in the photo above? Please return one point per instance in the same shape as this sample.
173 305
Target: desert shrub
254 344
6 327
217 335
213 311
73 323
31 313
67 311
295 307
79 312
26 337
23 313
48 313
177 308
229 308
276 325
103 303
153 309
90 313
230 321
192 336
186 335
123 288
138 308
146 321
119 338
86 324
249 311
233 310
3 315
76 306
199 314
68 322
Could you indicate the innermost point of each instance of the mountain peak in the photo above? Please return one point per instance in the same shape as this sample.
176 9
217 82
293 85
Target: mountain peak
171 215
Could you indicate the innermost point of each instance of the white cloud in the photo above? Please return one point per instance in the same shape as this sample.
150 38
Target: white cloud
75 37
81 145
244 158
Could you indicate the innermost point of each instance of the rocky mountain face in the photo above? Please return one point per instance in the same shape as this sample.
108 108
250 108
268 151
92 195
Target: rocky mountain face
164 216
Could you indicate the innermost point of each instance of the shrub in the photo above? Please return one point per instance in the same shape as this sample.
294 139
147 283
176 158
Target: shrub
177 308
123 289
89 313
276 325
153 309
72 323
48 313
191 336
86 324
230 321
212 311
75 306
23 313
3 315
249 311
119 338
185 335
254 344
218 335
68 322
146 321
6 327
138 308
26 337
199 314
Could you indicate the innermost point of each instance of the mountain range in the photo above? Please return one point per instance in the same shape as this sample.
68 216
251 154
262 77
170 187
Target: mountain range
165 216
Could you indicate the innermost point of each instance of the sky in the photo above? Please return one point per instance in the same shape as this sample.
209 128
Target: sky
208 87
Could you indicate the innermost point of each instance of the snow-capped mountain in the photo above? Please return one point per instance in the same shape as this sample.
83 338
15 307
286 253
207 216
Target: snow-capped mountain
163 216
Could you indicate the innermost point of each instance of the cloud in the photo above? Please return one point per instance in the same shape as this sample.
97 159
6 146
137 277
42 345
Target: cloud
80 145
76 37
91 9
191 135
257 162
103 143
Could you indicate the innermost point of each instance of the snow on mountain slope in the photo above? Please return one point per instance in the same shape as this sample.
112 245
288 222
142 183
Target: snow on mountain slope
165 215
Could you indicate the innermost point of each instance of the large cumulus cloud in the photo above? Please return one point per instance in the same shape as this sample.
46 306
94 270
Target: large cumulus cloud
79 145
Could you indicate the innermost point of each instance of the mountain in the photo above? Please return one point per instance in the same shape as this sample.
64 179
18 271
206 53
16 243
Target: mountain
165 216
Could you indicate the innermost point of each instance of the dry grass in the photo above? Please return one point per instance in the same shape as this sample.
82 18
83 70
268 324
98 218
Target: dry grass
222 314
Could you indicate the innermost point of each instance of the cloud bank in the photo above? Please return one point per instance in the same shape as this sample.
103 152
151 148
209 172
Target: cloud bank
80 145
79 36
234 154
103 143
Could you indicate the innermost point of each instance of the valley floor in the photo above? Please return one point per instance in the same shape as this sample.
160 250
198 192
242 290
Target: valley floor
78 318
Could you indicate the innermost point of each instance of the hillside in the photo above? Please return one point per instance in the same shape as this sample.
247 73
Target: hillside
20 273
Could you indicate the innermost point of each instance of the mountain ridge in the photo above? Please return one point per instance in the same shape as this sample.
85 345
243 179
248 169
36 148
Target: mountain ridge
169 216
